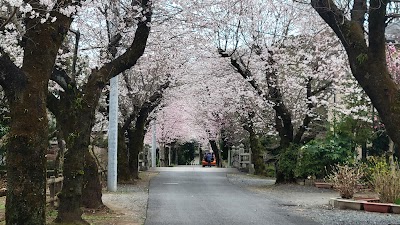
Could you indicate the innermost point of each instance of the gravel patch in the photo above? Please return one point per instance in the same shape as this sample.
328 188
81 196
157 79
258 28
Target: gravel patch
311 202
130 200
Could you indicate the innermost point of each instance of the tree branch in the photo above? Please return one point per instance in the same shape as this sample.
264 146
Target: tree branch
12 79
53 104
307 119
321 89
349 32
61 78
130 57
9 18
376 23
75 57
147 107
238 64
358 12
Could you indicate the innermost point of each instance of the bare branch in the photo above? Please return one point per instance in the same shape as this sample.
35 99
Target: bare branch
322 88
132 54
61 78
8 19
12 79
75 57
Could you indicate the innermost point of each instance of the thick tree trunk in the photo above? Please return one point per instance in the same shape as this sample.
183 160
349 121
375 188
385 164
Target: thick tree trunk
162 155
255 145
283 117
256 153
75 116
70 210
81 185
136 135
26 163
91 197
134 147
166 155
26 90
124 174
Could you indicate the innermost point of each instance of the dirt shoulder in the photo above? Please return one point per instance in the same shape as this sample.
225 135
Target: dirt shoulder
311 202
127 205
287 194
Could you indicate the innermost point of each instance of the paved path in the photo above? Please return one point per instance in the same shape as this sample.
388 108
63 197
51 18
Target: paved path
195 195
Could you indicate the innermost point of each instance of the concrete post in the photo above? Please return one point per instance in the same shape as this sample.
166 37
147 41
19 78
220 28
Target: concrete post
229 158
153 145
113 136
113 117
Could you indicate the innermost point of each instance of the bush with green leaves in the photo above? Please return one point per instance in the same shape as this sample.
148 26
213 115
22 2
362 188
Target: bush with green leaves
287 161
186 152
318 156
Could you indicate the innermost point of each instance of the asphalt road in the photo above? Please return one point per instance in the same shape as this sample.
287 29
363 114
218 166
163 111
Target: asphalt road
204 196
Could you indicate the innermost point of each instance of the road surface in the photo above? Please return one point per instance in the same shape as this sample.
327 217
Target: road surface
202 196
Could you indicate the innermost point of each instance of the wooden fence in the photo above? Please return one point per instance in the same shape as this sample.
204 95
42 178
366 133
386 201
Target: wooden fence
54 184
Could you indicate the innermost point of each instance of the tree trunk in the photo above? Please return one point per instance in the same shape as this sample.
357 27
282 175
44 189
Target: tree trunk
75 114
124 174
364 151
69 211
176 156
215 149
161 155
134 147
255 146
166 155
256 153
91 197
136 134
26 162
76 111
26 91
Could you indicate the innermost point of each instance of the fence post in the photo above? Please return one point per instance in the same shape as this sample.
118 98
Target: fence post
52 189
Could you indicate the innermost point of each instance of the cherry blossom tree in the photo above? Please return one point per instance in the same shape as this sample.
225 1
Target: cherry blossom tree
31 42
246 34
144 94
34 34
361 31
292 69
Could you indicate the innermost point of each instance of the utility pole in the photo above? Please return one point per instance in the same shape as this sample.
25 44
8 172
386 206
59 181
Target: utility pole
113 115
153 145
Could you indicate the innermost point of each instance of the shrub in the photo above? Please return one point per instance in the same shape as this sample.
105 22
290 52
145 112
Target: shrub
385 179
287 161
317 157
270 170
345 179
